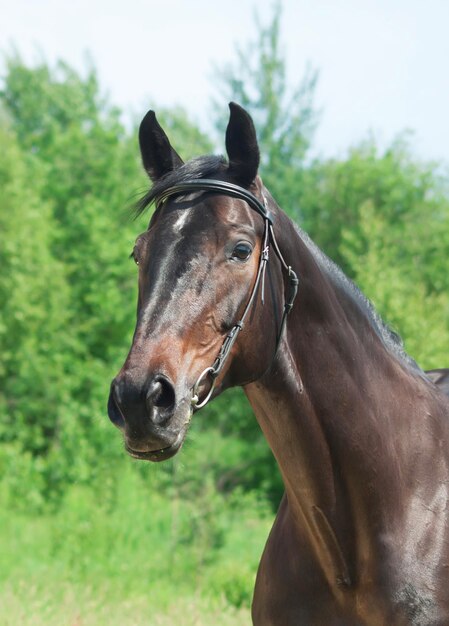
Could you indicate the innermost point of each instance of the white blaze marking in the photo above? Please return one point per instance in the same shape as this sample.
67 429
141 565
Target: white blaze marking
177 226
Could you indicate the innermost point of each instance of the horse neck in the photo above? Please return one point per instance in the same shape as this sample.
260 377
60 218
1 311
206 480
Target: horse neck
326 408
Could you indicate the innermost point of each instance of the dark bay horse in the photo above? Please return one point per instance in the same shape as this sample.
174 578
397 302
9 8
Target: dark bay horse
360 432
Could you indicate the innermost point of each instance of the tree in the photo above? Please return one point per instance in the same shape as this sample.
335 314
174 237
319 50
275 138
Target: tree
33 313
384 267
407 193
384 217
285 119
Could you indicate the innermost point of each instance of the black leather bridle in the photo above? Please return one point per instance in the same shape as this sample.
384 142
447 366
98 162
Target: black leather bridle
235 191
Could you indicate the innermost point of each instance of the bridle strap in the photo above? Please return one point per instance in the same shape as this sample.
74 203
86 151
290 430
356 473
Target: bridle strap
231 337
235 191
217 186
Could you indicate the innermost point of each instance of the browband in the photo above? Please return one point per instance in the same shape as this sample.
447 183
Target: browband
217 186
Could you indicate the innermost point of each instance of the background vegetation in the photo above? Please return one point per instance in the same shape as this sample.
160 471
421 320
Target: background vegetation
89 536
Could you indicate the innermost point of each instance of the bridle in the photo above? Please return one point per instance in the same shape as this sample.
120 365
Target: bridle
235 191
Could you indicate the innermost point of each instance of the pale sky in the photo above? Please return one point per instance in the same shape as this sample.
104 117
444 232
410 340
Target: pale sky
383 64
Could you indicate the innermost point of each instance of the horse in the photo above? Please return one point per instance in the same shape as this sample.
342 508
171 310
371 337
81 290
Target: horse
233 293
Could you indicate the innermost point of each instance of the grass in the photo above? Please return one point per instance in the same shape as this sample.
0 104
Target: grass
34 605
132 554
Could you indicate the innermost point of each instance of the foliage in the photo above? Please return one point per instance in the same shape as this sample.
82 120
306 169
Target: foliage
384 217
285 119
409 195
398 287
34 297
115 540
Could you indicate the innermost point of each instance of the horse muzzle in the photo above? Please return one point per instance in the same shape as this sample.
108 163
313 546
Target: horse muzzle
154 424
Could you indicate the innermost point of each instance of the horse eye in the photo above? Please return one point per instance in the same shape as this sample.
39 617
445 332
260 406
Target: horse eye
133 256
242 251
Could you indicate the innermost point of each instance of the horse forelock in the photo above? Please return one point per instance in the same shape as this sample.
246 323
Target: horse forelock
209 166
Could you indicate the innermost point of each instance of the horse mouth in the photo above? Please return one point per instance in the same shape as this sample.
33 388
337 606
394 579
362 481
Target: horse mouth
161 454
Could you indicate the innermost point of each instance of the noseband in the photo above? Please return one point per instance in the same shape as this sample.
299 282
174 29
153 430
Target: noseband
235 191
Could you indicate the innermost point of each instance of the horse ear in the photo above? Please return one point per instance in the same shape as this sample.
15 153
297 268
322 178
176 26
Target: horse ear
241 145
158 156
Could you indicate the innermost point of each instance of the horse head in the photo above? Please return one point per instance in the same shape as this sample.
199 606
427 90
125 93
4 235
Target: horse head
209 311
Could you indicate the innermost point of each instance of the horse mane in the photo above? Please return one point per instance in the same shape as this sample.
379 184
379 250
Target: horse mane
200 167
390 337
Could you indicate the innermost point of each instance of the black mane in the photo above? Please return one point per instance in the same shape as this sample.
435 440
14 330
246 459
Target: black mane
201 167
390 337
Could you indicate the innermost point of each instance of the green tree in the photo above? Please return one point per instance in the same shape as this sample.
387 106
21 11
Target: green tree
33 313
383 266
411 196
285 118
384 217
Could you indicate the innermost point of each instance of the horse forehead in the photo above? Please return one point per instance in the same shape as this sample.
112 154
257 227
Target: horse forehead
233 211
211 211
181 220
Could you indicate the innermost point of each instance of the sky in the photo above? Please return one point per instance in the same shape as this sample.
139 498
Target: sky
383 64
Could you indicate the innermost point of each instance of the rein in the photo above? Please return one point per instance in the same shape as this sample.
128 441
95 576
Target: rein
235 191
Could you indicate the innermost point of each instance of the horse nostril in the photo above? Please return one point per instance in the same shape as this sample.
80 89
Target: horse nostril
114 411
161 394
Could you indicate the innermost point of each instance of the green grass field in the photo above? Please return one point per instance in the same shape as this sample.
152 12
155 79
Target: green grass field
133 557
75 606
